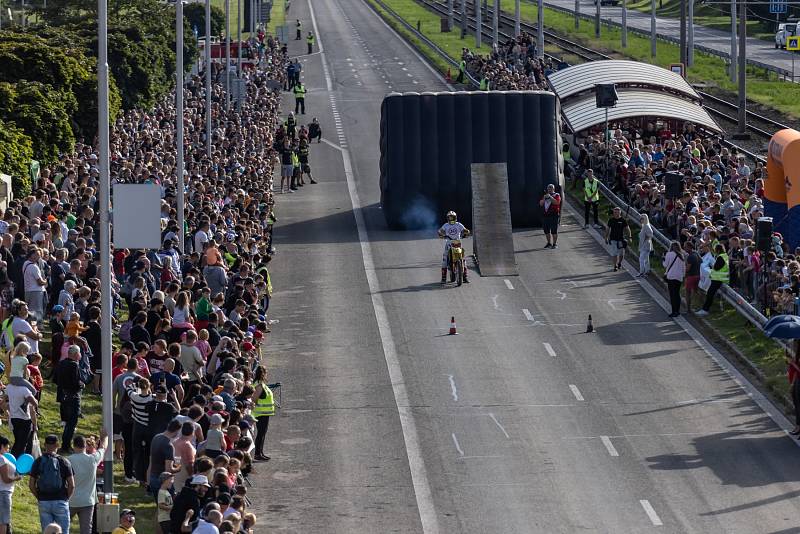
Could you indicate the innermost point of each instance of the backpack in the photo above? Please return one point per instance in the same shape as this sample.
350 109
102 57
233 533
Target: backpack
126 408
125 331
50 480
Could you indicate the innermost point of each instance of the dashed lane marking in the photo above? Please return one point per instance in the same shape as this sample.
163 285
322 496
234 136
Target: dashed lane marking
508 283
576 392
549 348
609 446
651 513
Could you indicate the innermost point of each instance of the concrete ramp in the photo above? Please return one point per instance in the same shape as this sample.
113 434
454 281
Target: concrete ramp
493 244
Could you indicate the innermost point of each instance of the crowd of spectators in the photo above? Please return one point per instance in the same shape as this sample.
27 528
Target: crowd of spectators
718 202
510 66
191 399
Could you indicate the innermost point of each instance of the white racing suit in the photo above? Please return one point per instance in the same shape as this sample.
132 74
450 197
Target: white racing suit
451 231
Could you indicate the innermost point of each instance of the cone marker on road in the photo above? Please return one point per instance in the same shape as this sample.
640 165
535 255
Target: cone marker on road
589 327
453 331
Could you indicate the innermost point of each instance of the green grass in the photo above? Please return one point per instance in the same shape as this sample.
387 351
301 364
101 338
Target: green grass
277 16
25 510
761 86
429 25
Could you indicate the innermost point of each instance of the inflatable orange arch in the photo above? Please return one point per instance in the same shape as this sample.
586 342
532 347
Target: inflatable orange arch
782 186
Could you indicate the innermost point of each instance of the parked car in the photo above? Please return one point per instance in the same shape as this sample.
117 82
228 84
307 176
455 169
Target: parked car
785 29
607 2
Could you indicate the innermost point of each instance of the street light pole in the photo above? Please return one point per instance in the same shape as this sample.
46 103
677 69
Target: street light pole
653 42
690 41
597 19
733 41
540 28
741 132
516 18
228 55
463 18
624 24
238 39
179 121
208 79
496 23
683 32
105 239
478 23
577 14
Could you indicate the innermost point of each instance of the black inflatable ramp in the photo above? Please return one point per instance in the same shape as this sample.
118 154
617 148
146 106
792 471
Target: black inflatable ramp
493 244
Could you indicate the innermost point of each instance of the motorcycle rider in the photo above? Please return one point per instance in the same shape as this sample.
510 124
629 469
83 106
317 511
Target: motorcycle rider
451 230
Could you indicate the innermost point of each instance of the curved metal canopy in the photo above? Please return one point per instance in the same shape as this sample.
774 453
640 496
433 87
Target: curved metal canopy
583 77
582 113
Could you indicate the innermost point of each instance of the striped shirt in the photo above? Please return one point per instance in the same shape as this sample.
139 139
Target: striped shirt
139 404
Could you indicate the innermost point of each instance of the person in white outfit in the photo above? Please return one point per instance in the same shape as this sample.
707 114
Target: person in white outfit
645 245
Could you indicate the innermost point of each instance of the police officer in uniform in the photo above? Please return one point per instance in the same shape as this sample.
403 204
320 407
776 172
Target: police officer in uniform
291 126
299 30
720 274
591 198
263 401
300 97
314 131
305 168
310 40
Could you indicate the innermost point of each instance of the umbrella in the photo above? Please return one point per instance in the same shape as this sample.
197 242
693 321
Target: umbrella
780 319
784 330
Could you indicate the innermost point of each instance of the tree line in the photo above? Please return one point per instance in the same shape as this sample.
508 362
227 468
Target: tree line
48 73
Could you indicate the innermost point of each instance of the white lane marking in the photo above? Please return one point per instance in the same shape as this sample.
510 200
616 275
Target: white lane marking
453 390
651 513
405 68
765 404
508 284
561 294
416 462
612 301
576 392
495 304
527 314
609 446
458 447
337 147
503 430
549 348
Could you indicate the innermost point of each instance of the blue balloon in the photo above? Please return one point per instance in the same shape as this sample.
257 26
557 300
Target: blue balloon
24 464
10 457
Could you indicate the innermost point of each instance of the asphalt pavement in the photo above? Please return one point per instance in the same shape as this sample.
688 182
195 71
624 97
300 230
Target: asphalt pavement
521 423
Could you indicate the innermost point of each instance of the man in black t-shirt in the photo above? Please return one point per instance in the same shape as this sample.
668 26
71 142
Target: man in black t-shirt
52 482
616 234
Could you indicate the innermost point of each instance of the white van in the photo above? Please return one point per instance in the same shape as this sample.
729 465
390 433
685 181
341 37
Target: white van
785 29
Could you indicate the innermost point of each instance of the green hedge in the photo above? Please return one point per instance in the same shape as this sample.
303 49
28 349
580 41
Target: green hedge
16 152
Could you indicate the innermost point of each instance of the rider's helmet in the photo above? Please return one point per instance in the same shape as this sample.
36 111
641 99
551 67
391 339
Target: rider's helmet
451 217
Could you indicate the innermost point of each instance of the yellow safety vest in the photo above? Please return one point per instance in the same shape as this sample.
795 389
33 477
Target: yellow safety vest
310 39
723 275
299 91
264 406
591 194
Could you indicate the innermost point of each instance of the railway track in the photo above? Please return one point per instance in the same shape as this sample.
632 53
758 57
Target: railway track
762 126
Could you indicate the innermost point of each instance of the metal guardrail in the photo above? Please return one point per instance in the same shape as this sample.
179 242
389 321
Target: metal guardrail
444 55
673 40
732 297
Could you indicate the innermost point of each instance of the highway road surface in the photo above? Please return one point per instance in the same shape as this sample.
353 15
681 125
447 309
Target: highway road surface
521 423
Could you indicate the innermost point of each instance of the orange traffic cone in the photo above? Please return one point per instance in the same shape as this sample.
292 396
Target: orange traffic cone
453 331
448 77
589 326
